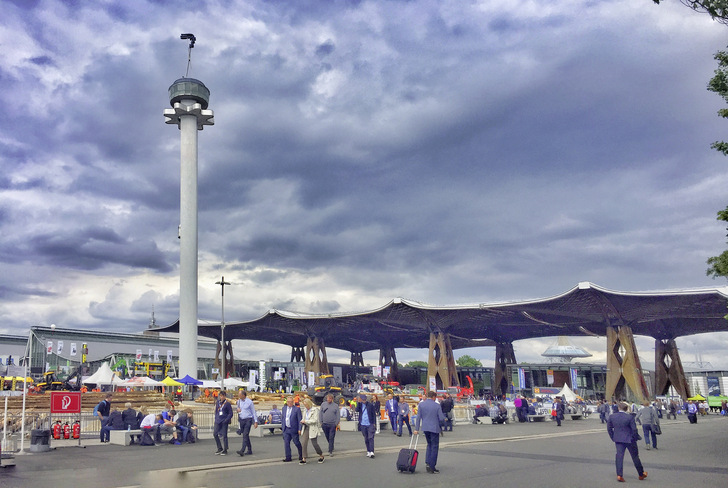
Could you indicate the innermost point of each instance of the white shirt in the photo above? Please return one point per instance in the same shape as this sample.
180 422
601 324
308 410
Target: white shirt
148 421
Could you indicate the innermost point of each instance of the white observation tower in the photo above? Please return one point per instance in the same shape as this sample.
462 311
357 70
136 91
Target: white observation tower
189 98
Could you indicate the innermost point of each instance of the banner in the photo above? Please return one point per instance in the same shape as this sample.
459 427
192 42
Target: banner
521 379
713 386
156 356
138 354
433 384
49 348
150 354
60 347
339 374
550 376
169 355
385 371
262 376
311 378
73 349
574 384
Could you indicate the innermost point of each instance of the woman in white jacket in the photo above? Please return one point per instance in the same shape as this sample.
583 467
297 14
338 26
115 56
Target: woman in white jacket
311 429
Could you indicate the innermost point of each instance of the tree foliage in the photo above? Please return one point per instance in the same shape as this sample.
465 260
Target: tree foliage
718 265
466 361
717 9
417 364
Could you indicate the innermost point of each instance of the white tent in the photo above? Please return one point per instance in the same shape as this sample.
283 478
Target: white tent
104 376
210 384
141 381
566 393
235 383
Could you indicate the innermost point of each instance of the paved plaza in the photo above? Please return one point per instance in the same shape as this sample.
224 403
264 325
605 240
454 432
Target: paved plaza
578 454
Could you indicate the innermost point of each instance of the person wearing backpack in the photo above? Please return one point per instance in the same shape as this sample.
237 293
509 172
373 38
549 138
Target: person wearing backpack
102 412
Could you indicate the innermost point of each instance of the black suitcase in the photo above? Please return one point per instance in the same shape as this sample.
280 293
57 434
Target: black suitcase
407 459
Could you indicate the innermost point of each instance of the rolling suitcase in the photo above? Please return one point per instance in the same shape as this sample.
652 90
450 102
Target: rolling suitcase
407 459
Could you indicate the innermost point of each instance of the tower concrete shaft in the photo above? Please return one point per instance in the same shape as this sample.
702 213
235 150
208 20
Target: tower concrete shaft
189 99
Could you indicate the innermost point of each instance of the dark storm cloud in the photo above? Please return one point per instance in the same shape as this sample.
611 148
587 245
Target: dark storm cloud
19 292
92 248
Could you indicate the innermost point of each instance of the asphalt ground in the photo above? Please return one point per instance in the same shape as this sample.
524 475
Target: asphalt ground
578 454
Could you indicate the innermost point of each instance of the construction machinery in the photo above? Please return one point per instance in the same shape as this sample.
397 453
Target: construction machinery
50 382
328 384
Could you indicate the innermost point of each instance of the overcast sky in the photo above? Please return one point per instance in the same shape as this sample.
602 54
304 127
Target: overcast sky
449 152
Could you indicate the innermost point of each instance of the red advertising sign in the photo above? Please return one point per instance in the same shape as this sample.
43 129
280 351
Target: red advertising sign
65 402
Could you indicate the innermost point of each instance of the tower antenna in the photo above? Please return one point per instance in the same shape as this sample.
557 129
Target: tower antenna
192 40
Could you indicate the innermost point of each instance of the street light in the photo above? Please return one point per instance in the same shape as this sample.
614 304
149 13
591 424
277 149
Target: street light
222 284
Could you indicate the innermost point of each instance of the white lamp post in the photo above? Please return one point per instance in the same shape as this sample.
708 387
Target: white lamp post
222 284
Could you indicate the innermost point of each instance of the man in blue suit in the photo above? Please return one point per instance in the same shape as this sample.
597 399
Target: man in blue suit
622 430
291 422
223 414
429 419
392 406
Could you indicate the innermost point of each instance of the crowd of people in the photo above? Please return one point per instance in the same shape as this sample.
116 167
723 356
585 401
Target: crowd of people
302 422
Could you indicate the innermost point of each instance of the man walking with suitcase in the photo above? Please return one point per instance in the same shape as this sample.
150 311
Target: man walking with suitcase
429 419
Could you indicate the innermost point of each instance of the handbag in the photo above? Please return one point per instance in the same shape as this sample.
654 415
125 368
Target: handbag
656 429
637 437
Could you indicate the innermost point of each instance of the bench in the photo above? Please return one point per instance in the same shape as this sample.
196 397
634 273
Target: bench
576 416
263 429
348 425
123 437
537 418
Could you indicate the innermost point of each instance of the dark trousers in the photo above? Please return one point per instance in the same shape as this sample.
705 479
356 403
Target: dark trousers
558 419
368 432
393 420
220 432
647 430
633 451
433 448
245 425
288 436
448 421
105 432
603 417
330 433
403 420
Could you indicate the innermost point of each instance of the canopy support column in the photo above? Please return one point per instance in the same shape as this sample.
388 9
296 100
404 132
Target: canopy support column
623 365
357 360
297 354
227 357
388 357
316 356
504 355
441 362
669 370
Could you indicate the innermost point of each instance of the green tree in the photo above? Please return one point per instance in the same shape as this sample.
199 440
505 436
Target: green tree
466 361
717 9
416 364
718 265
